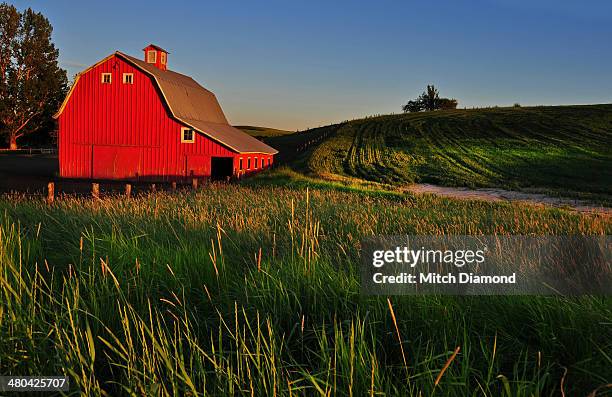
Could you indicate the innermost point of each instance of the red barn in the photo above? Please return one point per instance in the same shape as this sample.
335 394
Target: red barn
130 119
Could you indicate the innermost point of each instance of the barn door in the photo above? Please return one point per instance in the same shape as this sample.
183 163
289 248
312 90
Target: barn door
197 166
221 167
115 162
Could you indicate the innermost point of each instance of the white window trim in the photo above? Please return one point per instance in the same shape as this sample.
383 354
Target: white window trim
183 140
110 79
149 52
126 75
162 58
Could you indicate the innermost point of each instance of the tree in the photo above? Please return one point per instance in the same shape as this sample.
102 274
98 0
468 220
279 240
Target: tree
32 84
430 98
446 103
413 106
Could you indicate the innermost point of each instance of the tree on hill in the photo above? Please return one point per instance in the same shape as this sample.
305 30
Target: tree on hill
446 103
413 106
32 85
429 100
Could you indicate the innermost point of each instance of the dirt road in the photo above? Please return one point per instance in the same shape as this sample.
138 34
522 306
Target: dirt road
492 194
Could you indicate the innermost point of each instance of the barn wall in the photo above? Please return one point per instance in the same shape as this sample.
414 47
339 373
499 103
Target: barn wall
246 169
117 130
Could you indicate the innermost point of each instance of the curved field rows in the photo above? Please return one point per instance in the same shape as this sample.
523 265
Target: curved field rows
566 149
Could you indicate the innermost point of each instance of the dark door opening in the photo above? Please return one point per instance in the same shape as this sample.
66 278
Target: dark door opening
221 167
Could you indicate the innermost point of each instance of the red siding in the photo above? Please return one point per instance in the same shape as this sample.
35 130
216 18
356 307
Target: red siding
117 131
116 162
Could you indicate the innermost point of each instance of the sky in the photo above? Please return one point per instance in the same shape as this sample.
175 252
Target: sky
299 64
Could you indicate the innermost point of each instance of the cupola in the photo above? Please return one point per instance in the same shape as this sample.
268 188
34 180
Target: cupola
156 56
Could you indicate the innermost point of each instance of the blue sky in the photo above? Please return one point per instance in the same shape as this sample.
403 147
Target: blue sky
298 64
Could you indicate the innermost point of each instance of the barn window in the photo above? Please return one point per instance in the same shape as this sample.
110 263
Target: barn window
107 78
151 56
249 163
256 163
128 78
187 135
162 58
240 164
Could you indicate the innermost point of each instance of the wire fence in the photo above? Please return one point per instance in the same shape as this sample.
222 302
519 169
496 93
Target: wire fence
30 151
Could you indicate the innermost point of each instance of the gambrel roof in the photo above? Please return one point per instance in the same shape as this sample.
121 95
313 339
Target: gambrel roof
192 105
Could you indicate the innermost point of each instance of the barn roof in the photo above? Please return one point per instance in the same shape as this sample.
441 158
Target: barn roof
185 97
194 106
158 48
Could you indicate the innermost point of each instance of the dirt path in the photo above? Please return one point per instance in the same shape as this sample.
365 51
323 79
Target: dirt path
508 195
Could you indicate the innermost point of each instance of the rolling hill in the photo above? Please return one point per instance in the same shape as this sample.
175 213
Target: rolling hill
261 132
561 149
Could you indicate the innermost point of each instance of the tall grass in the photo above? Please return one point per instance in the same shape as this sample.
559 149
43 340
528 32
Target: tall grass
239 290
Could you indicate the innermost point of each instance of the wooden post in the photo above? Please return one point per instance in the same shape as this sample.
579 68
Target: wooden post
95 190
128 190
50 192
153 188
174 186
194 183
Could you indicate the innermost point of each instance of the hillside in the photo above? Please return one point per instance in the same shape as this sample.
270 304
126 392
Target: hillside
261 132
563 149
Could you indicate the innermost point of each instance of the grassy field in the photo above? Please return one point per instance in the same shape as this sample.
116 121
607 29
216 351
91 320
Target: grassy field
253 290
262 132
564 150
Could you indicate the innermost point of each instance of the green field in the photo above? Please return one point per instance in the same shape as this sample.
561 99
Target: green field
262 132
252 288
564 150
239 290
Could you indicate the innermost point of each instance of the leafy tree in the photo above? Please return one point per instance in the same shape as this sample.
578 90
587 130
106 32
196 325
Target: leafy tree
32 85
446 103
430 98
413 106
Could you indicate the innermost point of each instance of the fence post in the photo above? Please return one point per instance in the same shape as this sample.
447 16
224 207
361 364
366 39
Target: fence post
128 190
153 188
174 186
50 192
194 183
95 190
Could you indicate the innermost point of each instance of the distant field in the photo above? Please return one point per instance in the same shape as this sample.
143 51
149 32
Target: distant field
262 131
563 149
